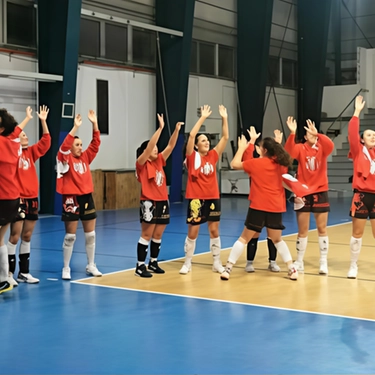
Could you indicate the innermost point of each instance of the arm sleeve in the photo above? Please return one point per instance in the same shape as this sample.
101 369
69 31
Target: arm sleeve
291 147
353 135
93 148
326 143
249 152
41 147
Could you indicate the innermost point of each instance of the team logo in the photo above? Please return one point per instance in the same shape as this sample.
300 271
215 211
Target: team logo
311 163
159 178
207 169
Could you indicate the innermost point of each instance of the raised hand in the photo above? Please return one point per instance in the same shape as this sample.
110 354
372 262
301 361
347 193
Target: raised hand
178 125
310 128
292 124
92 116
43 112
359 103
278 136
253 134
161 121
29 112
78 120
206 111
223 111
242 142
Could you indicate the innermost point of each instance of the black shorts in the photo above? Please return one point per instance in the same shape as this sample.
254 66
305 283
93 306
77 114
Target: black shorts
154 212
200 211
77 207
256 220
317 202
8 210
363 205
28 209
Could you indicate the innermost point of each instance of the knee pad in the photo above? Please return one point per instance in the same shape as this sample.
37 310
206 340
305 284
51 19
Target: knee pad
90 238
69 239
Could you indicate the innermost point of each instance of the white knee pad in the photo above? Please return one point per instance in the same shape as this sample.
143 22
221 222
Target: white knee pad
90 238
69 239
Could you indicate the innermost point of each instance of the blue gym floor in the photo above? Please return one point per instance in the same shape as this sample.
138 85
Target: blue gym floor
59 327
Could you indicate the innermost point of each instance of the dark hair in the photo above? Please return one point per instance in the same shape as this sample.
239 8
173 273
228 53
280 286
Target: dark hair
141 148
276 152
195 142
7 122
199 134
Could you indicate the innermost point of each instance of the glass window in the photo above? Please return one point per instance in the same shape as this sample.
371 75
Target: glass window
102 105
21 25
89 42
273 71
144 47
289 73
194 57
226 62
115 42
207 59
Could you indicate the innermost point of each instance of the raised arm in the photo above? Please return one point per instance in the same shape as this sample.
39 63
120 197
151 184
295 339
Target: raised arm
152 142
42 146
205 112
172 141
236 163
353 129
43 114
290 144
28 117
93 148
76 125
220 147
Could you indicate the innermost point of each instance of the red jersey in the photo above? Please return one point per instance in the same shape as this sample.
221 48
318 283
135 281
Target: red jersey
267 192
363 160
26 173
73 173
202 179
152 178
10 151
312 161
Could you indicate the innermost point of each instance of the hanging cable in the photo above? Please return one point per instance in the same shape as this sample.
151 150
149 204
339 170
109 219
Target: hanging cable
162 85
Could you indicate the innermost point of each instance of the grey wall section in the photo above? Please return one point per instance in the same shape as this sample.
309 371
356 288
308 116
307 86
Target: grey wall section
254 28
173 79
59 25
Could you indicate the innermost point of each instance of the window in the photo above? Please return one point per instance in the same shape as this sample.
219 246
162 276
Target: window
289 77
273 71
21 24
116 42
102 105
194 57
207 59
89 42
144 47
226 62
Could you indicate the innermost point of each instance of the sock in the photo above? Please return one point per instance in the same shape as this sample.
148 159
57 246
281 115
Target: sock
252 247
142 250
236 252
283 250
4 265
215 247
189 250
272 252
68 244
323 246
90 247
11 256
155 249
301 246
24 256
355 249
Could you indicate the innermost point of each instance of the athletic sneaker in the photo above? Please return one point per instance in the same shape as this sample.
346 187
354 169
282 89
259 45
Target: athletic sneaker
11 280
218 267
353 270
92 270
226 274
66 273
273 267
5 286
299 266
185 269
154 267
141 271
249 266
323 269
27 278
293 274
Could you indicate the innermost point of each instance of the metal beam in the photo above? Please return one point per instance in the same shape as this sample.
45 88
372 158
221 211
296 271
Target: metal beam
32 76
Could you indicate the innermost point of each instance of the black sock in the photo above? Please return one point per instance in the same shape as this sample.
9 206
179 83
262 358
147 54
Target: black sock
12 263
272 252
141 252
24 262
252 249
155 249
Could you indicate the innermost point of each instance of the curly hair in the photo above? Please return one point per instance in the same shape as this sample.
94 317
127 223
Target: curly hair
276 152
7 122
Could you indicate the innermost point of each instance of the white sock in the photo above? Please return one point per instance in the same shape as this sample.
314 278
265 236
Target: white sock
68 244
25 247
215 247
323 246
283 250
355 249
90 247
4 265
11 248
236 251
189 250
301 246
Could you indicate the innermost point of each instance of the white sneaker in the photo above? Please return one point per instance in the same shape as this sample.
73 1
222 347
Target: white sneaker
249 266
226 274
11 280
66 273
293 274
218 267
185 269
300 267
323 269
273 267
92 270
27 278
353 270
